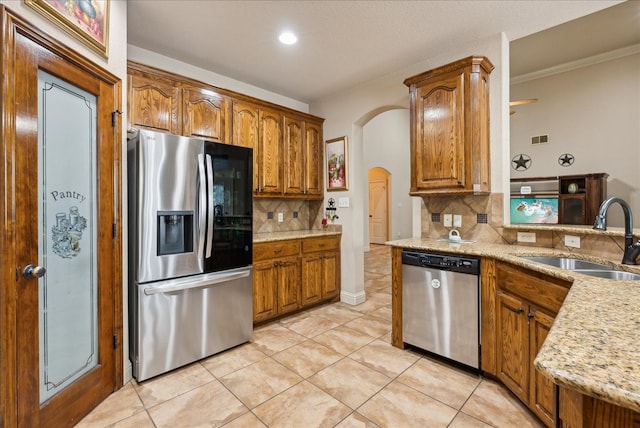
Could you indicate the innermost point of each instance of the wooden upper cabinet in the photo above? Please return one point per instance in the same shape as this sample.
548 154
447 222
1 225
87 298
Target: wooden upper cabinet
246 133
205 114
293 156
245 124
154 103
287 145
313 158
449 116
303 158
270 151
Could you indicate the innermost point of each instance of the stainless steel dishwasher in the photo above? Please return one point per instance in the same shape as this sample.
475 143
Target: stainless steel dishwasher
441 305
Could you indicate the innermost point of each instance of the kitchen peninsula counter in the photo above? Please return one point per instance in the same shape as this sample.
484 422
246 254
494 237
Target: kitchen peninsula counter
294 234
593 346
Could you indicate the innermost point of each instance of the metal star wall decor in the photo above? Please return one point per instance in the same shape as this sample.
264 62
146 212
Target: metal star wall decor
521 162
566 159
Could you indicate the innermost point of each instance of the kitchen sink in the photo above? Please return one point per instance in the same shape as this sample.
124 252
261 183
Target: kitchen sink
611 274
586 268
568 263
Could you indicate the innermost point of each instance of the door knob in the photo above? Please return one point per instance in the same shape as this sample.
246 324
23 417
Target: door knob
32 272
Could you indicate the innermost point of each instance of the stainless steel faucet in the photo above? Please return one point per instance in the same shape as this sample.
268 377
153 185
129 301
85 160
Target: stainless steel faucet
631 250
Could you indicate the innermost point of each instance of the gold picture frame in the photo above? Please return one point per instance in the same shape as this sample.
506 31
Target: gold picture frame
87 20
337 164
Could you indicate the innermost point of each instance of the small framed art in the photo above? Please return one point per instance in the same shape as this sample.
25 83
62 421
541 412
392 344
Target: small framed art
337 164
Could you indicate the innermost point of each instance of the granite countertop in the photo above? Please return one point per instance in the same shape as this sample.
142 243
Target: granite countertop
295 234
594 344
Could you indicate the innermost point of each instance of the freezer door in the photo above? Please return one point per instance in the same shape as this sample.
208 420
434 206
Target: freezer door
177 322
231 201
167 193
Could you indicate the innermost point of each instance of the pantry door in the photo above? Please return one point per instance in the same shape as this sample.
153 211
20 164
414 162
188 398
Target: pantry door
61 322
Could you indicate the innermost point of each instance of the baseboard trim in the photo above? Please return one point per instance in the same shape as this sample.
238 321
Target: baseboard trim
353 298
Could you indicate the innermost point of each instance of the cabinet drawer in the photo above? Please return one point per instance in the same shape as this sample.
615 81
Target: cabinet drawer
320 244
537 288
271 250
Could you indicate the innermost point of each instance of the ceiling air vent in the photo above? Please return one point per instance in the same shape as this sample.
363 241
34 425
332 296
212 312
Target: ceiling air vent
540 139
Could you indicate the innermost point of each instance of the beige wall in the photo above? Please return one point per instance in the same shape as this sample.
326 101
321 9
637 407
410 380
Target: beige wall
386 144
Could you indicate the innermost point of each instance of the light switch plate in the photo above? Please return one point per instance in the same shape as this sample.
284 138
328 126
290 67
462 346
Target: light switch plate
527 237
343 202
447 220
457 220
572 241
280 217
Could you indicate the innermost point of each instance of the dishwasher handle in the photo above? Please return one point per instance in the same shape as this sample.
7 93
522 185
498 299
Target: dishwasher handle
182 284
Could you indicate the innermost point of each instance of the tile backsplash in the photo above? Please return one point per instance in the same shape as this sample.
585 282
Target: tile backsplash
296 215
483 221
482 218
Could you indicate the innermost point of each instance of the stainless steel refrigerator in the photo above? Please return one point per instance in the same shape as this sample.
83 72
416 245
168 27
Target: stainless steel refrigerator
190 250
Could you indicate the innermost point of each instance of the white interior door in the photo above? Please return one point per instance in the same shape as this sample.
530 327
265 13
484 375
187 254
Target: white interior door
378 206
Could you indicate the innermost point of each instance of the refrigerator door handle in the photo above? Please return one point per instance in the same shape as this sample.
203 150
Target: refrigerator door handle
209 207
203 281
202 205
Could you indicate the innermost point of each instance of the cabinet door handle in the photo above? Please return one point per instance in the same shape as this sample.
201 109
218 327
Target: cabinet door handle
520 310
530 315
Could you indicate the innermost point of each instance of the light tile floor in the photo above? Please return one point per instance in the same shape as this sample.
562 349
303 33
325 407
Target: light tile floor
329 366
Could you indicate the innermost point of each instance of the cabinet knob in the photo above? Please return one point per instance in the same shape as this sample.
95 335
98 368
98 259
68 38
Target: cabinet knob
520 310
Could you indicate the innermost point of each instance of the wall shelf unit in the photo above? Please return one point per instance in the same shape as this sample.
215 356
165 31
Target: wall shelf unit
578 196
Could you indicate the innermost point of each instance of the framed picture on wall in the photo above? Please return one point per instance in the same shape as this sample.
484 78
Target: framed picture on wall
337 164
87 20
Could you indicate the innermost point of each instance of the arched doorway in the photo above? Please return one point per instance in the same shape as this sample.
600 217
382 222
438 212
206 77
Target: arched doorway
379 210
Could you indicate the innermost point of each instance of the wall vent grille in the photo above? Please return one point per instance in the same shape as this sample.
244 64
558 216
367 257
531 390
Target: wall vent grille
540 139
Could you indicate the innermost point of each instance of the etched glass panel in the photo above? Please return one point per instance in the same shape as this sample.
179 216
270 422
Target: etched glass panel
67 233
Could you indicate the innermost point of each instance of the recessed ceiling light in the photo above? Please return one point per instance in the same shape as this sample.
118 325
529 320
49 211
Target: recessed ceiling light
287 38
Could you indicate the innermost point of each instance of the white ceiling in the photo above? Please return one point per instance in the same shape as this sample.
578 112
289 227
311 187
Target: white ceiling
342 43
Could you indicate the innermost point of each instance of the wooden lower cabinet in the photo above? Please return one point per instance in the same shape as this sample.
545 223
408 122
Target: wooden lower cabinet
542 390
320 270
526 304
522 329
289 285
276 289
581 411
265 290
513 344
293 274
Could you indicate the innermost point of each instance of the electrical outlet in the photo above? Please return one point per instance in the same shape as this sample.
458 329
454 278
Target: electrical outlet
447 220
527 237
572 241
280 217
457 220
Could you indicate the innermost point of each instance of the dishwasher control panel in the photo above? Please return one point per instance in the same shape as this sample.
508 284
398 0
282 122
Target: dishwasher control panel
447 262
